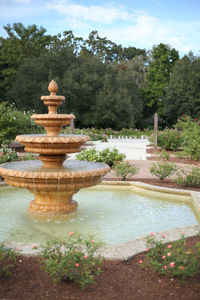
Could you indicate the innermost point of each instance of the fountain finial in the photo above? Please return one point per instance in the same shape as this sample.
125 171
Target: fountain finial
53 87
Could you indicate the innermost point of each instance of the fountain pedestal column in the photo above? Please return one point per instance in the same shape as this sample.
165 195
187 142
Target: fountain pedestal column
52 203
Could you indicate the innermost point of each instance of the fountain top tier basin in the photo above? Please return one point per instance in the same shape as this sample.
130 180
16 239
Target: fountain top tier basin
53 100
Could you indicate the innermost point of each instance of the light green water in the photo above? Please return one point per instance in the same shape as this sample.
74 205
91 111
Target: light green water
110 214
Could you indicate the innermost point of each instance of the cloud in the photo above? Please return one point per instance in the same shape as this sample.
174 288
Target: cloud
146 31
127 26
21 1
106 14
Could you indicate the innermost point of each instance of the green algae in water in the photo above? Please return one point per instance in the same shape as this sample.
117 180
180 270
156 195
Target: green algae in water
112 215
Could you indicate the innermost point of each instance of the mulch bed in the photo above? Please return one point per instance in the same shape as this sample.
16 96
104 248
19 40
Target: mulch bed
123 280
156 157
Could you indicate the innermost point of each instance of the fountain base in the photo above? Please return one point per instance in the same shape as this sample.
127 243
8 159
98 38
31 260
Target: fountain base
52 203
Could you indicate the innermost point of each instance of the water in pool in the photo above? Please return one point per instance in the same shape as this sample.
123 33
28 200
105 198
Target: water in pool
112 215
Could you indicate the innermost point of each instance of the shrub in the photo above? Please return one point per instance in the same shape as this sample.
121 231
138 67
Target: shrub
169 139
180 154
7 155
173 258
14 122
89 155
164 155
7 258
72 259
163 170
28 156
190 129
106 156
189 178
124 169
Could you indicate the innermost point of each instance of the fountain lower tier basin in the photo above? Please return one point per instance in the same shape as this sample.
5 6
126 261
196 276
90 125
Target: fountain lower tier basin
53 188
114 214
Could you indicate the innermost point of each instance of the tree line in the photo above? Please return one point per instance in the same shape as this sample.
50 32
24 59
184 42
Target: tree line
105 85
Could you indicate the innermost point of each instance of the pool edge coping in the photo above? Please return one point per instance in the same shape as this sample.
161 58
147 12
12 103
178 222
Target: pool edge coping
133 247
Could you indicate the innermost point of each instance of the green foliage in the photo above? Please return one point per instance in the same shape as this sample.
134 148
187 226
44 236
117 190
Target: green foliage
7 155
108 156
190 132
22 43
163 170
105 156
72 259
173 259
182 92
7 258
164 155
189 177
180 154
124 169
89 155
169 139
158 75
93 133
28 156
13 122
103 134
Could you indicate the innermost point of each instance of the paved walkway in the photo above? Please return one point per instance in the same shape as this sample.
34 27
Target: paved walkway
132 148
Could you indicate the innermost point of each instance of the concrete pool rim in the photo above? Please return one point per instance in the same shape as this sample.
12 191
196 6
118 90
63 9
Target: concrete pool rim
133 247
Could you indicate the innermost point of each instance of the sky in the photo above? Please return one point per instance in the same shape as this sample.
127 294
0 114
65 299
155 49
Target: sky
137 23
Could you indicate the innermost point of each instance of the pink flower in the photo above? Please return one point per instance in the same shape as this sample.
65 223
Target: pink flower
169 254
163 257
172 264
140 261
151 233
85 256
165 267
76 250
92 241
169 246
147 249
77 265
163 235
34 247
71 233
181 268
93 263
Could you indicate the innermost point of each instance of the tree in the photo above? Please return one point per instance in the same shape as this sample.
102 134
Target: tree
34 75
20 44
118 103
182 92
158 75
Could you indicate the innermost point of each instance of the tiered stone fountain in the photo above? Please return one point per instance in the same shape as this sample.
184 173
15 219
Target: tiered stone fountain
53 179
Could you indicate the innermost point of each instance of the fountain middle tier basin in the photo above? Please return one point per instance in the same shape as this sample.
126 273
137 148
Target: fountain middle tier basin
52 122
53 145
53 188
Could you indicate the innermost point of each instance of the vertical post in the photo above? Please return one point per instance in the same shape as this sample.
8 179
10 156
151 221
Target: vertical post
72 126
155 131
